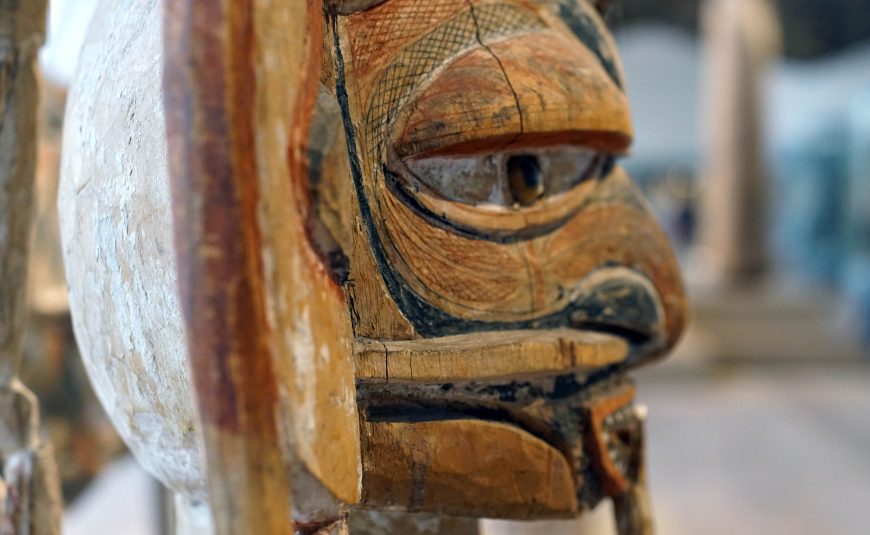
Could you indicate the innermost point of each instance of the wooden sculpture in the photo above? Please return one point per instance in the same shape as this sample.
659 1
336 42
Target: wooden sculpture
407 273
29 486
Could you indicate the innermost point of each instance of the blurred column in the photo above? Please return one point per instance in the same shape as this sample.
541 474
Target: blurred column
741 40
857 272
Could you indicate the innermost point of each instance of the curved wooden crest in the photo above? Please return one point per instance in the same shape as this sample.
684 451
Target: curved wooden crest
230 120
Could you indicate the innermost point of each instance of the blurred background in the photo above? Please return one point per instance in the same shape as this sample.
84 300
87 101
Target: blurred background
753 145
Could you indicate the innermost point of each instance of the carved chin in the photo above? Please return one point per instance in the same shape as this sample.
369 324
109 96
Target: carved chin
538 448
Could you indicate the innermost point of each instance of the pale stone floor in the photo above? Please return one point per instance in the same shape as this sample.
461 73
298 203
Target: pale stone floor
748 450
761 451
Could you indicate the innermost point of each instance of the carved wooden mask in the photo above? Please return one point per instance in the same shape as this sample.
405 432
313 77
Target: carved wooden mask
500 269
437 310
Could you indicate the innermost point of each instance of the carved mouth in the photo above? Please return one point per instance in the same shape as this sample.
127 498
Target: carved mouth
615 319
560 391
586 425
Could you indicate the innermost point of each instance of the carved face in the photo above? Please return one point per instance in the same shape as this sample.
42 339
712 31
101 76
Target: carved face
501 270
453 297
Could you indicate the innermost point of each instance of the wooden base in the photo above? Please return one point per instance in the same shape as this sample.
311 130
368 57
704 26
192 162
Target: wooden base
368 522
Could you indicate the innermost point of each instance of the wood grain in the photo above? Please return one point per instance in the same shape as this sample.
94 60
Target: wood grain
308 313
464 467
21 34
633 509
489 79
210 86
30 487
373 522
488 356
615 481
532 90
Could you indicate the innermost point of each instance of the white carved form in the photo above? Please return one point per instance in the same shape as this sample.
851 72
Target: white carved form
116 232
29 490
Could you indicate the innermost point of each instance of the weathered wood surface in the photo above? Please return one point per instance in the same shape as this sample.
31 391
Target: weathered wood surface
632 506
359 521
210 85
308 316
115 222
21 35
465 467
428 269
29 490
130 328
370 522
408 72
488 356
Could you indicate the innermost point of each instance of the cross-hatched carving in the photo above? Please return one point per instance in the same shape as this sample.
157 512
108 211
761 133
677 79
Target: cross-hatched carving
465 30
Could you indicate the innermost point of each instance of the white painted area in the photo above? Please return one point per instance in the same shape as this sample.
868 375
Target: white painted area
115 220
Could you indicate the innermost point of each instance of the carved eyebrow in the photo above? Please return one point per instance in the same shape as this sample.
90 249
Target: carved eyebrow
349 7
411 65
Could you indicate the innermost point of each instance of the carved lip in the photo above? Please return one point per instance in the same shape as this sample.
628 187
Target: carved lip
488 356
615 317
588 426
560 385
622 302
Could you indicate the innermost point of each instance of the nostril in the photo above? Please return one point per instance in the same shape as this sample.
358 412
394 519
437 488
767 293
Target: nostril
525 179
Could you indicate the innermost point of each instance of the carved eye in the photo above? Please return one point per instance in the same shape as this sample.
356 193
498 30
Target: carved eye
513 180
525 179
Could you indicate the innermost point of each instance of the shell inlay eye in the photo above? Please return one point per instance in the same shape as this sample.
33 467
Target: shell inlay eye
513 180
525 179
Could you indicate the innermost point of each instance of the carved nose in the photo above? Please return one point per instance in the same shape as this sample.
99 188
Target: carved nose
621 302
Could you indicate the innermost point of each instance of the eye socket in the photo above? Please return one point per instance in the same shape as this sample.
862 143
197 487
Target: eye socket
507 179
470 180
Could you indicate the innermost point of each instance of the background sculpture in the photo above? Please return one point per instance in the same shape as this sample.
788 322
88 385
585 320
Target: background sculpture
410 272
29 489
